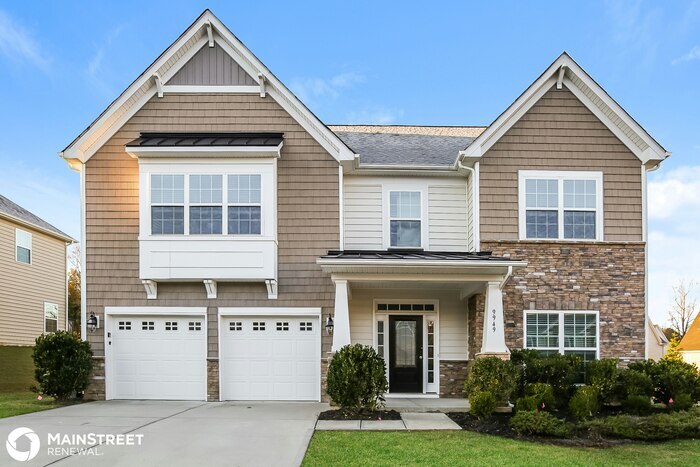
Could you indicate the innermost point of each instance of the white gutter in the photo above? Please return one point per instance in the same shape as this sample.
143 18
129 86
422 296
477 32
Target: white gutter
413 263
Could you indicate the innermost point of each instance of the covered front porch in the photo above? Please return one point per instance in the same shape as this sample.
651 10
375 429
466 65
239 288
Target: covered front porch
422 311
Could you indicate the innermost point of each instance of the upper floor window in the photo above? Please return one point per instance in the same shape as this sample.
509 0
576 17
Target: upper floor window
167 204
244 212
23 246
405 219
561 205
194 204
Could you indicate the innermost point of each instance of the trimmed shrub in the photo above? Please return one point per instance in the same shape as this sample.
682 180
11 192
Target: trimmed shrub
637 405
542 395
671 379
357 378
584 404
681 402
482 404
538 423
559 371
491 374
63 363
634 383
658 427
526 404
603 375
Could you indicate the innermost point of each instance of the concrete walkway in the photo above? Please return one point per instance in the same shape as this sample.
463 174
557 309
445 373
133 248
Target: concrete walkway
415 421
174 433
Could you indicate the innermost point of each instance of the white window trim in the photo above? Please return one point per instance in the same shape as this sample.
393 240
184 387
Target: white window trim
560 176
259 204
561 349
58 312
266 168
31 246
189 204
419 187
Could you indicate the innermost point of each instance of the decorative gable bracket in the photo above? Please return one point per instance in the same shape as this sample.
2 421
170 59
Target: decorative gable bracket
271 285
151 289
210 285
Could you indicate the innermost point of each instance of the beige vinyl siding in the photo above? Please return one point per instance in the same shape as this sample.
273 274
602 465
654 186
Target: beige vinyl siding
25 287
211 66
308 211
560 133
363 216
447 215
453 331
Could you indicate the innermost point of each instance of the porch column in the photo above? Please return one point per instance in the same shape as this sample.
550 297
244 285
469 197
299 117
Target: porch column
341 319
493 343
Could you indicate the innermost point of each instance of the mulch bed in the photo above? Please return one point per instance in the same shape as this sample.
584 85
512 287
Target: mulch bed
498 425
341 414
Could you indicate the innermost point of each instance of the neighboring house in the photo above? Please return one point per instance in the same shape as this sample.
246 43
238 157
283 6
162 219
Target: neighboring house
689 346
34 292
657 342
227 231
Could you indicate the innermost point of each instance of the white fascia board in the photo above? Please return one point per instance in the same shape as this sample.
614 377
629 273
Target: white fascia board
269 311
194 89
16 220
545 82
205 151
155 310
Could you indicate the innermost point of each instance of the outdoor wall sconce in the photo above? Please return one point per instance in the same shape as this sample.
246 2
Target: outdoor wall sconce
93 322
329 325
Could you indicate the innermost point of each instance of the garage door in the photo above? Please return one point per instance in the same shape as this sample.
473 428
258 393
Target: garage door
270 358
157 357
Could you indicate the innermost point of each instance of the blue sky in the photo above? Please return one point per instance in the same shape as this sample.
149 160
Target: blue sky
456 63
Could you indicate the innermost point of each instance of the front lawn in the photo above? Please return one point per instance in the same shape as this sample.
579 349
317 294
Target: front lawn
466 448
16 379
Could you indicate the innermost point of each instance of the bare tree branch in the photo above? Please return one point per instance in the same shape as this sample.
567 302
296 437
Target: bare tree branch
684 308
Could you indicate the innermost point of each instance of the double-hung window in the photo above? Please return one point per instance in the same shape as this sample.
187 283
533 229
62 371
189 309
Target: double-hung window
405 219
564 332
205 204
244 210
23 246
50 317
561 205
167 204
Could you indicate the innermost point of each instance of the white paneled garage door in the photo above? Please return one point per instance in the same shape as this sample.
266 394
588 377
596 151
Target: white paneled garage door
157 357
270 357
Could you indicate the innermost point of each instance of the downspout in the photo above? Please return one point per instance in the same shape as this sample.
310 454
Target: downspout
475 181
645 238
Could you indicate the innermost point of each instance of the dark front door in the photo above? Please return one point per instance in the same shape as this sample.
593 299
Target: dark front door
405 354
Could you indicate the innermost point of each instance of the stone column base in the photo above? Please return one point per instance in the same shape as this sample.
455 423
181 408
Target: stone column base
501 355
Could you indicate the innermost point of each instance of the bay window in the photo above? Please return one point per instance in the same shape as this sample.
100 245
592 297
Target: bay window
205 204
244 211
561 205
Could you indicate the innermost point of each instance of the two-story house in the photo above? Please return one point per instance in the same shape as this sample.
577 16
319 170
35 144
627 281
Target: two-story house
233 241
33 271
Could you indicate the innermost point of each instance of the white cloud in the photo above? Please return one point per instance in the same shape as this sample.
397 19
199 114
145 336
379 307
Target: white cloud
634 27
312 89
694 54
95 66
674 229
373 116
18 44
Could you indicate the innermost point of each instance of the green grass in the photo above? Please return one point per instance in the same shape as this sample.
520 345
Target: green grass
17 377
343 448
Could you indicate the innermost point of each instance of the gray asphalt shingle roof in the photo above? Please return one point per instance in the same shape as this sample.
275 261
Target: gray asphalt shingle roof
404 149
14 210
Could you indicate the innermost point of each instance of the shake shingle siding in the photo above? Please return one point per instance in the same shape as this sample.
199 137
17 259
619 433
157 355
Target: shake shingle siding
308 211
560 133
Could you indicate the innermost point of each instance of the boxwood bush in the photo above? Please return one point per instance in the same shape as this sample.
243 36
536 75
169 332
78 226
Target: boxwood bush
671 379
559 371
584 404
538 396
603 375
637 405
63 363
494 375
482 404
357 378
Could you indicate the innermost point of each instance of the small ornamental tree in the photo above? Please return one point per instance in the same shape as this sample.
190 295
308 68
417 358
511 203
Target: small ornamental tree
63 363
357 378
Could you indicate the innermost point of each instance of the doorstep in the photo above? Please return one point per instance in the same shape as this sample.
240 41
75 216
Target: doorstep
425 404
409 421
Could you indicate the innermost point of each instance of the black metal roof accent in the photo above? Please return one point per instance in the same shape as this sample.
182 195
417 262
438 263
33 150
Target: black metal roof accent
413 255
405 150
207 139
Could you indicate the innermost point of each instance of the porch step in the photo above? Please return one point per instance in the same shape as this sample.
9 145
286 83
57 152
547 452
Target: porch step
423 405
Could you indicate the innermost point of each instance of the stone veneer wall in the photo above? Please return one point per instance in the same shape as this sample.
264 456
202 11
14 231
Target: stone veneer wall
452 377
212 380
96 389
606 277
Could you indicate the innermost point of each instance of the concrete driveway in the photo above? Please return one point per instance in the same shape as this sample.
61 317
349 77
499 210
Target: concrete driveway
174 433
